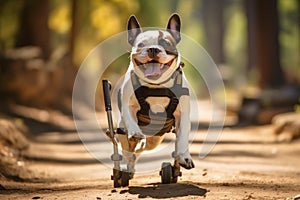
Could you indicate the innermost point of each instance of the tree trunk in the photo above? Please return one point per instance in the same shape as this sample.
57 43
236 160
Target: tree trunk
251 19
267 44
34 28
214 28
74 28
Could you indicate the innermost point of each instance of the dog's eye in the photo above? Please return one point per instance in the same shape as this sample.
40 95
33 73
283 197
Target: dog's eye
170 49
164 43
141 45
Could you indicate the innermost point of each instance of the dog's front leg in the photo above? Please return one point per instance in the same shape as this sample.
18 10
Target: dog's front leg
129 108
183 130
134 139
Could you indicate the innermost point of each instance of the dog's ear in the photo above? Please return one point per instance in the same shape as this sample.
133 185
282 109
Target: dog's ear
174 27
133 29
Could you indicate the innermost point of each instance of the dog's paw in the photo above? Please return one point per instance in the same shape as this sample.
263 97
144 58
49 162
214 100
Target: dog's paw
131 168
186 161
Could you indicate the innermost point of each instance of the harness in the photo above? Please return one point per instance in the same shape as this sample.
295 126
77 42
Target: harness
162 122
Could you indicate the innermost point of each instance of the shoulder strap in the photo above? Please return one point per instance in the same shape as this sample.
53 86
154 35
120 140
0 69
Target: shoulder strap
139 94
178 88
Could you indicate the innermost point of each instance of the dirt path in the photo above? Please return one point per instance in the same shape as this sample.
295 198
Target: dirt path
245 164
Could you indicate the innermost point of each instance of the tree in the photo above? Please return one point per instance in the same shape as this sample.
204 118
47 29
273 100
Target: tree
214 28
34 28
263 30
74 27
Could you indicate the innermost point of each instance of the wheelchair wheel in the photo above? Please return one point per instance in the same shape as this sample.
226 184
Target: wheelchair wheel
125 179
120 178
166 173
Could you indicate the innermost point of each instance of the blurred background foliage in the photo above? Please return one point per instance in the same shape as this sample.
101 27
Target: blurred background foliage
99 19
221 27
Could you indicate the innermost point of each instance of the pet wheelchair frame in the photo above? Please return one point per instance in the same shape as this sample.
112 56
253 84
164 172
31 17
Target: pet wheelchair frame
169 173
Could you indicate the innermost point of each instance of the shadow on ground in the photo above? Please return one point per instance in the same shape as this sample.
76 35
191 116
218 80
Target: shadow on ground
160 191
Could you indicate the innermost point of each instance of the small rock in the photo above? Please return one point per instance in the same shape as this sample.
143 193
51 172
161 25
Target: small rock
36 197
113 191
248 197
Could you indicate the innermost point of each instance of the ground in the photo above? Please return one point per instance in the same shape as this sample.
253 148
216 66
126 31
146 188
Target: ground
246 163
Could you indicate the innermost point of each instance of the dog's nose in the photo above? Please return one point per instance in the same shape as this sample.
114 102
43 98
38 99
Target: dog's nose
152 52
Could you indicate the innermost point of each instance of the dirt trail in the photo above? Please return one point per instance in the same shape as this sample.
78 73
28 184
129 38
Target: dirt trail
246 164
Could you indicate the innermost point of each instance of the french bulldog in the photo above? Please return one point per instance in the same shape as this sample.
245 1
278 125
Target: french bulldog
154 96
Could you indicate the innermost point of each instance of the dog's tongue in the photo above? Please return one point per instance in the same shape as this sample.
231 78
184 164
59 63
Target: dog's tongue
152 70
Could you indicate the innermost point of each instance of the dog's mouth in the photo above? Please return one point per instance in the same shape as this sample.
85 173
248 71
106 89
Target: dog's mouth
153 69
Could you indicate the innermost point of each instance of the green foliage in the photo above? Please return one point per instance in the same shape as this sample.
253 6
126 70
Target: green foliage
98 20
9 22
235 38
289 36
60 20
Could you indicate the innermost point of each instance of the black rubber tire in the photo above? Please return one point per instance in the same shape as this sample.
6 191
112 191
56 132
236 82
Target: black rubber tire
121 178
117 183
174 179
125 179
166 173
116 178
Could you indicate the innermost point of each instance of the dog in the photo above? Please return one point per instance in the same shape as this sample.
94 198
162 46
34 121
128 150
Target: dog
154 96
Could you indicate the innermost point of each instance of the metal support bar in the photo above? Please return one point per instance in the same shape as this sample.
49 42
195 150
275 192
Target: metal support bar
116 157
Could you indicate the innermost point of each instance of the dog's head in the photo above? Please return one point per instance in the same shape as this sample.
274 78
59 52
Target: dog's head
154 53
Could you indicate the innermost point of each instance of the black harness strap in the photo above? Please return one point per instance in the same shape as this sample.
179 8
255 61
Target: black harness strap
157 123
